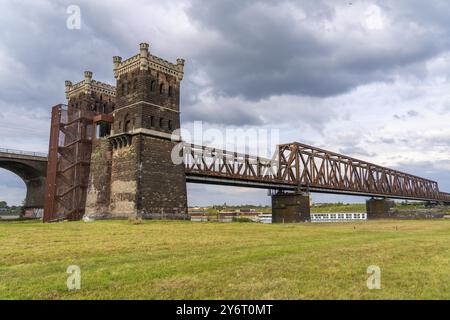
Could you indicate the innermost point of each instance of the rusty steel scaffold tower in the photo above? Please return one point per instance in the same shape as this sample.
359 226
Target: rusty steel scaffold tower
68 164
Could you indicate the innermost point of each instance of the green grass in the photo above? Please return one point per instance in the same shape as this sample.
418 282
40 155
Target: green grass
189 260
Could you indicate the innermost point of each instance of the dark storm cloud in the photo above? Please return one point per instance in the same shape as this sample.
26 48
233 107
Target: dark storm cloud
36 37
38 53
232 115
267 50
261 49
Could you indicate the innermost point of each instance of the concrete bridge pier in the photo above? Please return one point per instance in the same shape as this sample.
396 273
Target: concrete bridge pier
290 207
35 192
379 208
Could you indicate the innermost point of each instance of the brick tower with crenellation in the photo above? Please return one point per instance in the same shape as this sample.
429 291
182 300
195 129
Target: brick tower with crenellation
87 101
143 181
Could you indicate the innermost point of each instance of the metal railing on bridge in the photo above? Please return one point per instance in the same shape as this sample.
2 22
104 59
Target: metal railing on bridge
24 153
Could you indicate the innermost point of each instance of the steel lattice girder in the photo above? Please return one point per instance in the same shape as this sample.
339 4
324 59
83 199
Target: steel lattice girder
307 167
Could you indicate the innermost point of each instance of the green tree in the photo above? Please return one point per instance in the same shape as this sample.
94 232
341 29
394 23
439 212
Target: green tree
211 211
3 204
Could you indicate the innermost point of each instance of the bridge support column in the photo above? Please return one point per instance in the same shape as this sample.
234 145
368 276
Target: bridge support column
379 208
290 207
99 186
35 192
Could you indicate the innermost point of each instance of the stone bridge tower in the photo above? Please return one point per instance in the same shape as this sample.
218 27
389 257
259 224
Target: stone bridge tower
72 134
144 180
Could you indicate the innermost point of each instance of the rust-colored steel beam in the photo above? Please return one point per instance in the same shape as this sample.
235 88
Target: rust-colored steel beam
52 166
305 167
205 161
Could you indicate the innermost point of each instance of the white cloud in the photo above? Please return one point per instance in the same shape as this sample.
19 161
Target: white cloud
12 188
374 19
13 196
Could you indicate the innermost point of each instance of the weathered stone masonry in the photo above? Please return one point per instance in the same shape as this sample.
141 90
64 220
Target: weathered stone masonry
99 187
87 100
131 171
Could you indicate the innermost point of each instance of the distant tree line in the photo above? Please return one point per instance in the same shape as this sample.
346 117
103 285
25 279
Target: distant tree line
13 210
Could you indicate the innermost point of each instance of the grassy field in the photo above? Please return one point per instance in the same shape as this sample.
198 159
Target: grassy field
188 260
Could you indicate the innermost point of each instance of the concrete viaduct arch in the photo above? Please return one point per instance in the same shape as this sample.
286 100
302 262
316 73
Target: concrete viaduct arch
32 169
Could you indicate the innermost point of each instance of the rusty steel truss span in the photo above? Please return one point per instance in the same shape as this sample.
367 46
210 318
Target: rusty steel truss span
205 164
302 167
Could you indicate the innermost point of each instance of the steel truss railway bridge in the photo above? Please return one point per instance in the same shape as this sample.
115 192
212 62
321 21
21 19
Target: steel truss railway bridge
296 170
300 167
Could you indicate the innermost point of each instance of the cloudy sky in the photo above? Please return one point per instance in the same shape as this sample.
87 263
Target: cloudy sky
366 78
